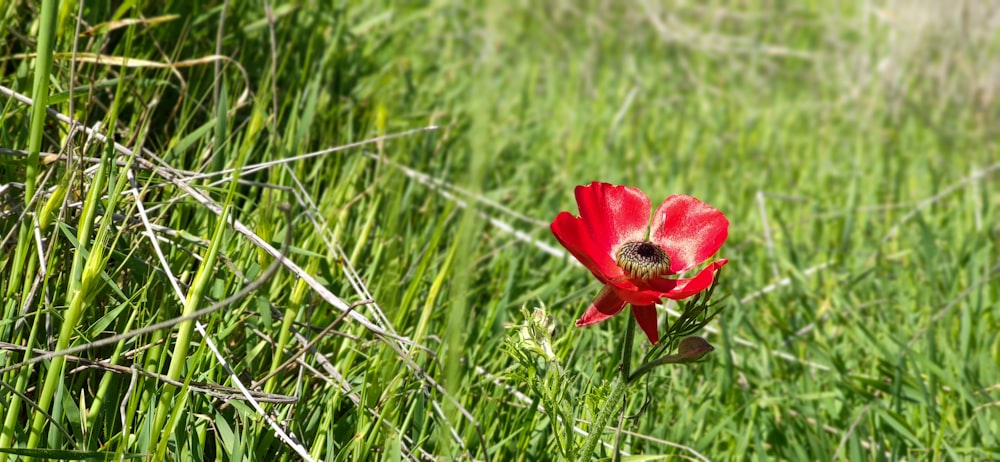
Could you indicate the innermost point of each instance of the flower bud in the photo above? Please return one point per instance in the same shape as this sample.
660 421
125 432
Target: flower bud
692 349
536 333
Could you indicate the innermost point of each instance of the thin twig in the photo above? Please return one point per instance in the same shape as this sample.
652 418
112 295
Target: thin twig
271 270
210 389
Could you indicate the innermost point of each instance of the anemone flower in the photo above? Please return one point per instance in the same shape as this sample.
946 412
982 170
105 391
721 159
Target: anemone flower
638 260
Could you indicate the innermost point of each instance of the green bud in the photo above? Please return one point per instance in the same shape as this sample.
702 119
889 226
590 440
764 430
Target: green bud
536 333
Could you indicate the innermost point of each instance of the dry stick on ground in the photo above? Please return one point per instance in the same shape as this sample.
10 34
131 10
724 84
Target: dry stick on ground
170 175
379 318
444 189
210 389
271 270
321 225
335 378
21 217
50 157
302 351
27 399
345 387
246 290
319 222
930 201
43 270
401 345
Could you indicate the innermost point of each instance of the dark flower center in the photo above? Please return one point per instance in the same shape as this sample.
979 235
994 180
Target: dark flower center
642 260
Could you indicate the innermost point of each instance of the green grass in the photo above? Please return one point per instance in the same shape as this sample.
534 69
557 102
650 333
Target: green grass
853 149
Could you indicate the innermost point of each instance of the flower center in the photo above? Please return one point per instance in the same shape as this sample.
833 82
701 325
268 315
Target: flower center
642 260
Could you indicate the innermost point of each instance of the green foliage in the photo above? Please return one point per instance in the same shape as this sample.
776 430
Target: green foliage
551 386
852 148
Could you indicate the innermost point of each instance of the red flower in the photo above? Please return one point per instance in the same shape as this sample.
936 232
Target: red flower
613 238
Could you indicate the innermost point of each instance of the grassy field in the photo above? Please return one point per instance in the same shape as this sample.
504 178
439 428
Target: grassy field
341 207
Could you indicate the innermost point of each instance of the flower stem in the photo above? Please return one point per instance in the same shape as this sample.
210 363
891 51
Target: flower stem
614 402
626 366
645 368
690 350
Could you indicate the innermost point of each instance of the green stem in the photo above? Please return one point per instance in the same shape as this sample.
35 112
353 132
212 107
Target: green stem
645 368
613 405
626 365
690 350
12 419
178 359
40 93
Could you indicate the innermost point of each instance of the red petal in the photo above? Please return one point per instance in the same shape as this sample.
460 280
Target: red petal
606 305
689 230
636 296
613 214
678 289
645 316
571 232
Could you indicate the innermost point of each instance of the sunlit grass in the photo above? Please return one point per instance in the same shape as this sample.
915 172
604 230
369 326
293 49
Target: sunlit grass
852 150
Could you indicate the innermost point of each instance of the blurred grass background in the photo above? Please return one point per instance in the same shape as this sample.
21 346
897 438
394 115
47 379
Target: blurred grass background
852 146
